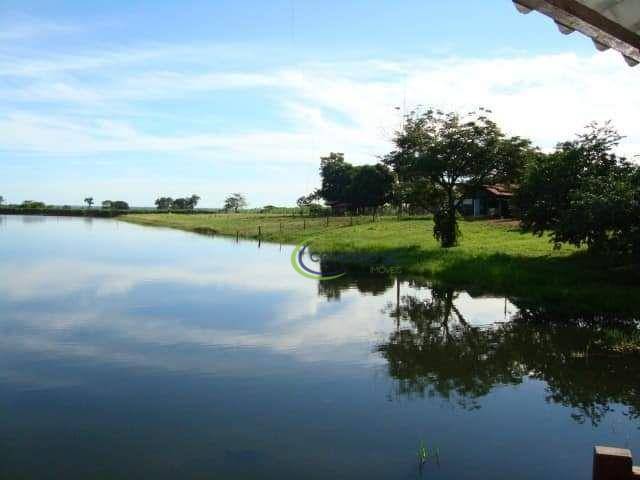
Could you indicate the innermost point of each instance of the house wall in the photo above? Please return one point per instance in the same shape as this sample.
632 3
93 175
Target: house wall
484 204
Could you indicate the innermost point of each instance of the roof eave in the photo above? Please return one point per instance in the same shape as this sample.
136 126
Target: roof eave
570 15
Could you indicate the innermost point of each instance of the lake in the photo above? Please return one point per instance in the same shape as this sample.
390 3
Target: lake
129 352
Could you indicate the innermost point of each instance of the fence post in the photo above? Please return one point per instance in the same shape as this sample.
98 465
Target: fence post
304 224
237 236
613 464
259 231
327 220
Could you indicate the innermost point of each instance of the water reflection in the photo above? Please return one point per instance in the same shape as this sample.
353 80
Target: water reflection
362 282
587 362
118 341
27 219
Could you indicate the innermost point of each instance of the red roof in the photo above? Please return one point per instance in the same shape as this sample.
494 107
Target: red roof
499 190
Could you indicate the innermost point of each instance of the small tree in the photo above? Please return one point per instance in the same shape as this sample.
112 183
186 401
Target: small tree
304 202
235 202
107 205
89 201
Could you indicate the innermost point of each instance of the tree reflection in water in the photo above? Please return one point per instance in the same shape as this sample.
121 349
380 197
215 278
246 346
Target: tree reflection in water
588 361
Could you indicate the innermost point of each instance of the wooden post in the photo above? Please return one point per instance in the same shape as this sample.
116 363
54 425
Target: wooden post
613 464
237 236
304 224
327 220
259 231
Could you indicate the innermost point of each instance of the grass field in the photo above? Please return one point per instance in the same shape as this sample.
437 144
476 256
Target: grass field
493 256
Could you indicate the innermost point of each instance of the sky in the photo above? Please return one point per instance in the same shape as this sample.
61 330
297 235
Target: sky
131 101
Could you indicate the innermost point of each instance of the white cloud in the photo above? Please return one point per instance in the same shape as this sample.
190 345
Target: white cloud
23 28
102 103
547 98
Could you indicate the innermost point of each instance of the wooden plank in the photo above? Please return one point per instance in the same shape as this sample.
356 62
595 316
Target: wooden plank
612 463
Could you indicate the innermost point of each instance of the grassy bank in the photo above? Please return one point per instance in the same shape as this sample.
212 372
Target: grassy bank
493 256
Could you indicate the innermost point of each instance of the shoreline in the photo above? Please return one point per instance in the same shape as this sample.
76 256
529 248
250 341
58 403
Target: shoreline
493 257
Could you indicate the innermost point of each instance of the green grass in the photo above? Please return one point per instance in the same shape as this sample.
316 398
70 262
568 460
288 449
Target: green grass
493 257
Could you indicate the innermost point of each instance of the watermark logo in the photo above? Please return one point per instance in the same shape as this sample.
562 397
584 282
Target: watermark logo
308 265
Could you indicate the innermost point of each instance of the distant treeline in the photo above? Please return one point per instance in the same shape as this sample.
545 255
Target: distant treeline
59 211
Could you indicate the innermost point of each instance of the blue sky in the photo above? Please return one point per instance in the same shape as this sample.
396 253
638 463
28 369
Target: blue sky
133 100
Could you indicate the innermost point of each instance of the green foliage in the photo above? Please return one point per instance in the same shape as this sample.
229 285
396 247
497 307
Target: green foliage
32 204
425 454
164 203
419 196
119 205
584 194
447 150
186 203
358 188
89 201
235 202
303 202
371 186
336 175
115 205
316 210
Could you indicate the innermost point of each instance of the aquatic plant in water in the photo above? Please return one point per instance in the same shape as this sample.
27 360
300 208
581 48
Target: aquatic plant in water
425 454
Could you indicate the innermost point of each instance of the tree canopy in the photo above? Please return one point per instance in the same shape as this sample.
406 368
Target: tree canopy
235 202
447 150
186 203
355 188
584 194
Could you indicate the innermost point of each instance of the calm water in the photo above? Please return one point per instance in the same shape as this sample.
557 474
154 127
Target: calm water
131 352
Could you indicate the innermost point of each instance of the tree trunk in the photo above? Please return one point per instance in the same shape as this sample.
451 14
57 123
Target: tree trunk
445 228
451 224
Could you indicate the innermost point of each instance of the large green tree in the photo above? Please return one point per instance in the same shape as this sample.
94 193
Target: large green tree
337 176
584 194
360 188
448 150
371 186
